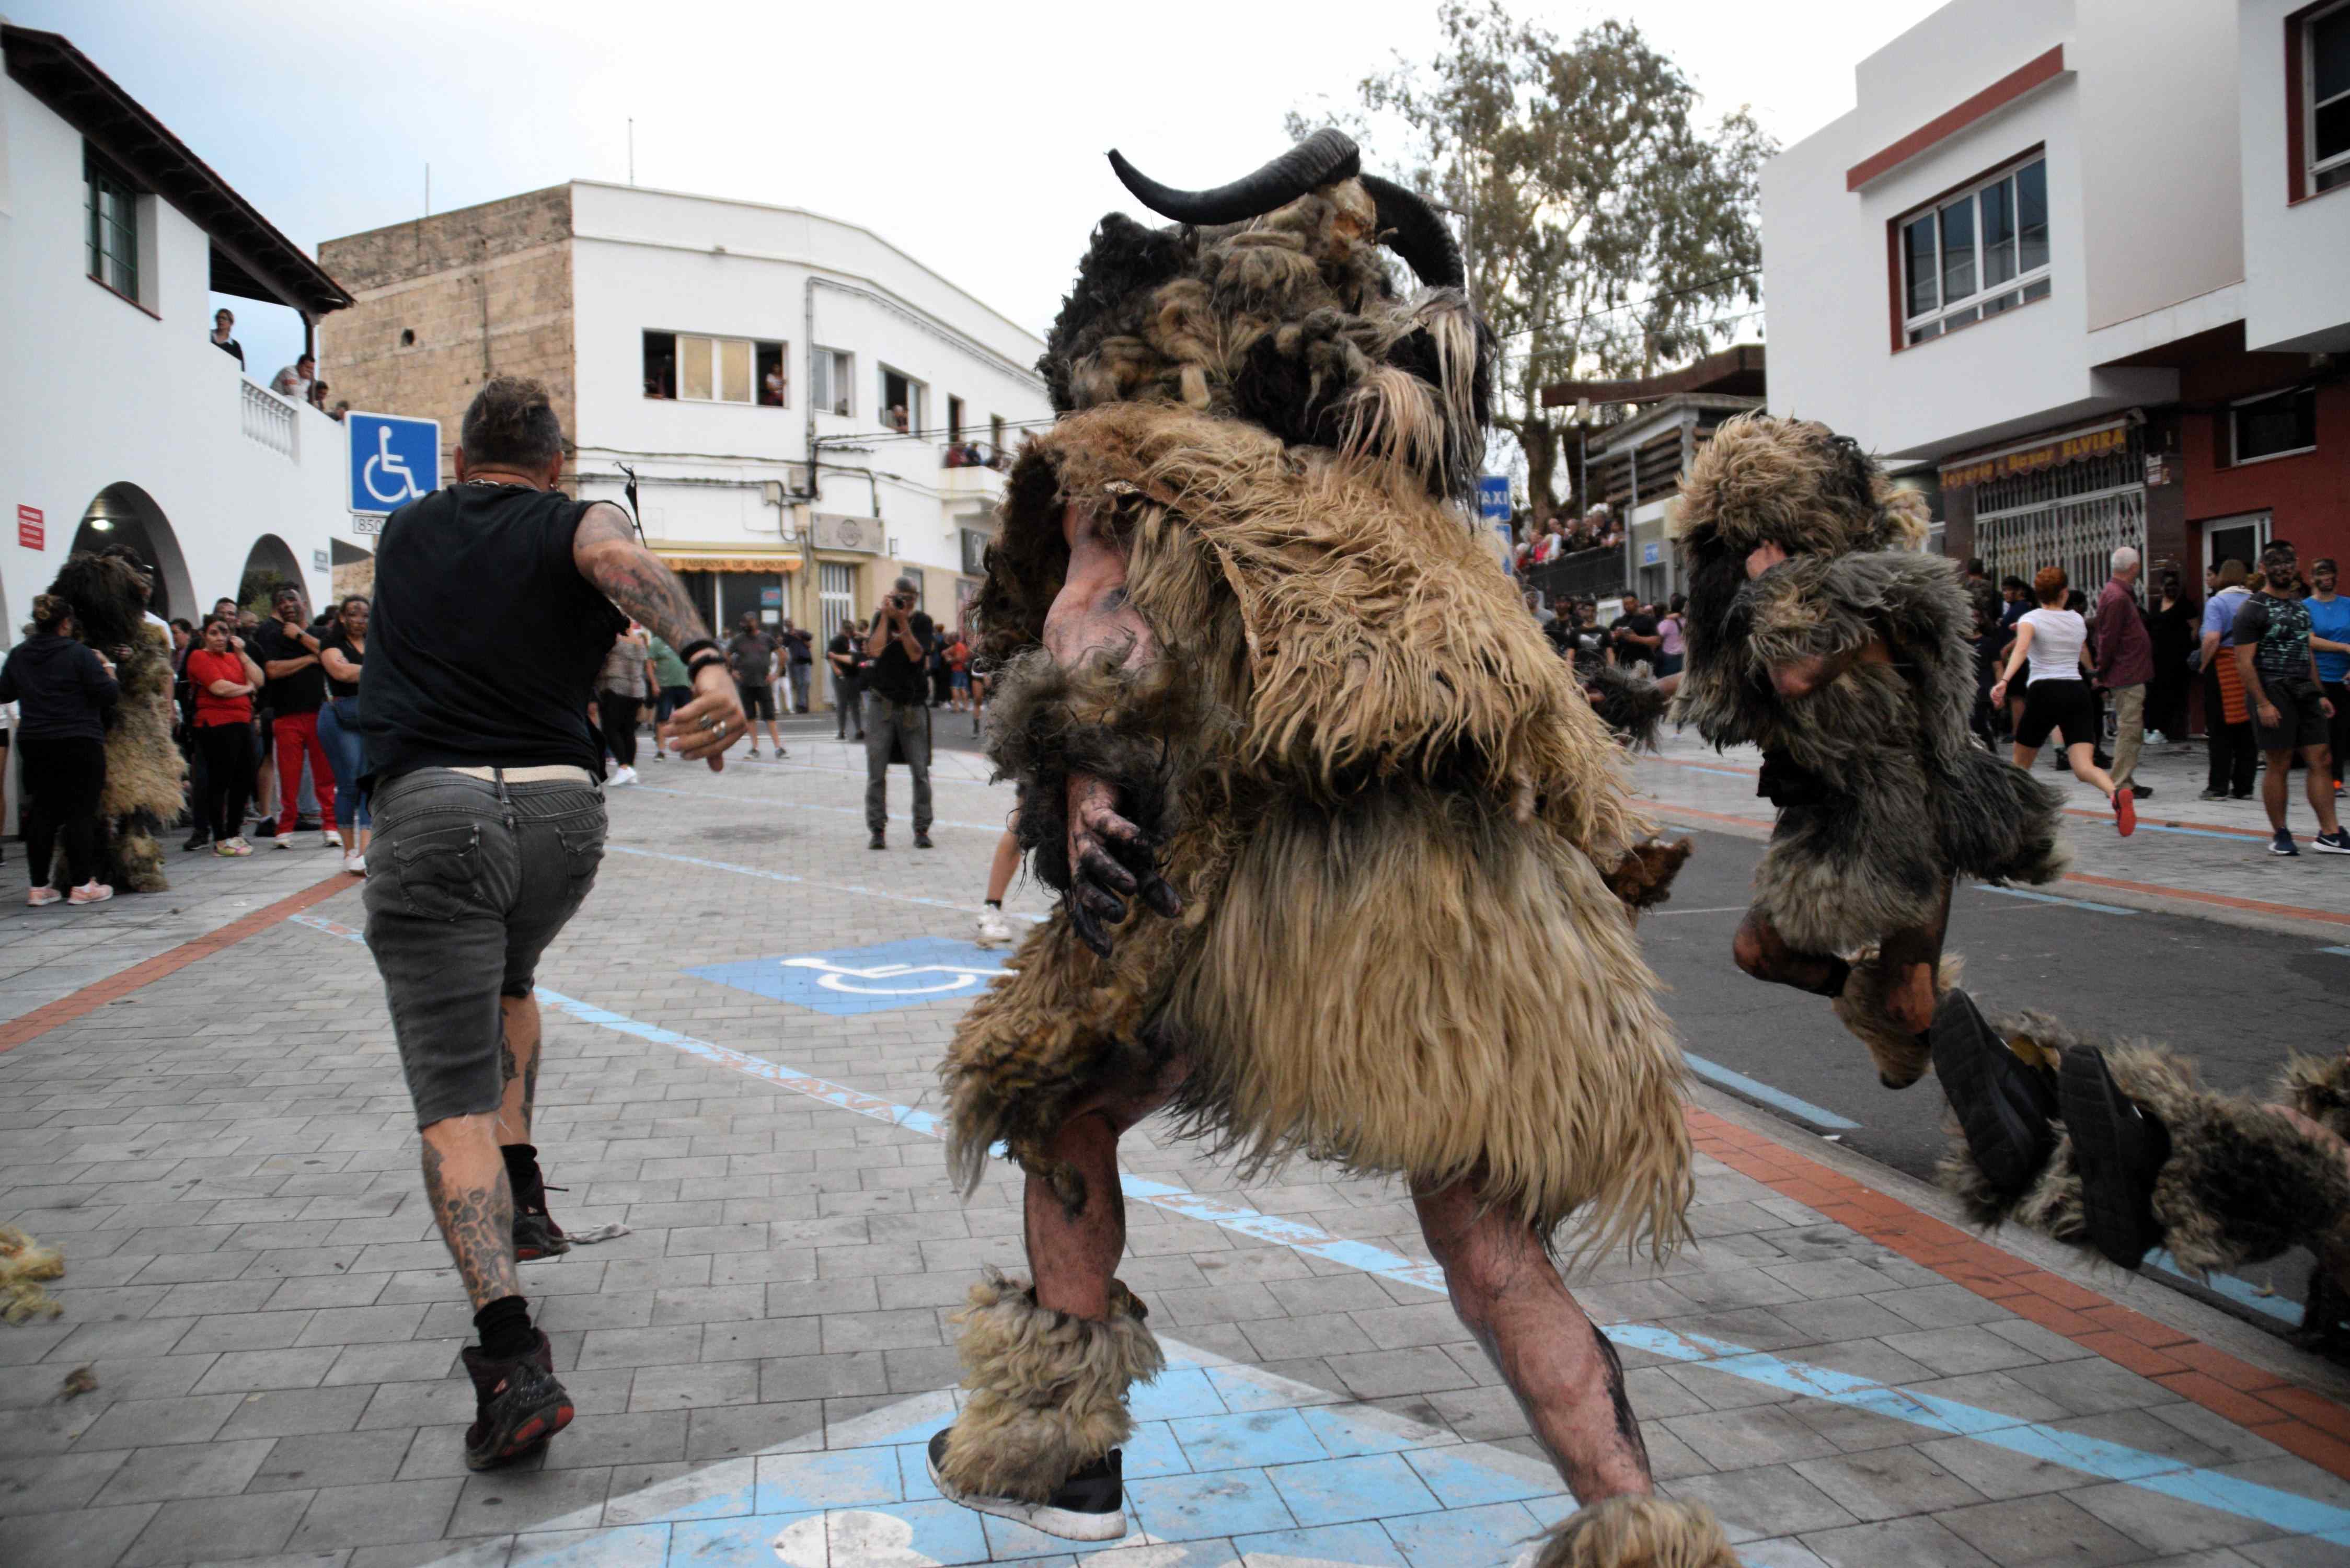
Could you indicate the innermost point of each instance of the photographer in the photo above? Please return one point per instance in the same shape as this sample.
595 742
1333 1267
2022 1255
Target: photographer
897 709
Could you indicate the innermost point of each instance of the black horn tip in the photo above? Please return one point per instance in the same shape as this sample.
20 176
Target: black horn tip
1320 159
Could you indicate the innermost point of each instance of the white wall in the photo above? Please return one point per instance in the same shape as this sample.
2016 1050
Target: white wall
99 392
2296 258
651 260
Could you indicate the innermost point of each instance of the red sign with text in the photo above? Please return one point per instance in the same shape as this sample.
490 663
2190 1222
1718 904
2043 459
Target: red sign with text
30 534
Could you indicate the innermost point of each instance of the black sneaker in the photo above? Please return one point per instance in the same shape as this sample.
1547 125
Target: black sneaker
1088 1506
517 1406
266 829
2241 794
2334 842
2119 1150
2143 792
922 841
2213 795
881 841
2282 843
536 1233
2004 1105
198 839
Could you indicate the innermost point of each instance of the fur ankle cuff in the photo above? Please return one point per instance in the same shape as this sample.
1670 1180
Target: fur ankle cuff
1047 1390
1638 1533
1901 1055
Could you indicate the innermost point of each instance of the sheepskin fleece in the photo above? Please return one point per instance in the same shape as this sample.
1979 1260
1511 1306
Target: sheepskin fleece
2319 1089
1391 825
1632 1532
26 1265
1915 799
1048 1389
2242 1185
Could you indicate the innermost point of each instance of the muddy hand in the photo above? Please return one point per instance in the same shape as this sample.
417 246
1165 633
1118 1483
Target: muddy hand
1110 861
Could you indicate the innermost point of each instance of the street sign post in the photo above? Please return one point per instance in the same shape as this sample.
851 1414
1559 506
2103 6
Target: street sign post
393 461
1494 497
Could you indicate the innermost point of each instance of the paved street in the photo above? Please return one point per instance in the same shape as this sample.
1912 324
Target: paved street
199 1102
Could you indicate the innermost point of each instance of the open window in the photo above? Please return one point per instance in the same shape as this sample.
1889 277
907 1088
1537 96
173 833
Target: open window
903 400
697 368
2317 97
954 419
660 364
833 378
772 361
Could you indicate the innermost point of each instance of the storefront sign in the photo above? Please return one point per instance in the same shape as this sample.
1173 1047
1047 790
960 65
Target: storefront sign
31 533
2048 454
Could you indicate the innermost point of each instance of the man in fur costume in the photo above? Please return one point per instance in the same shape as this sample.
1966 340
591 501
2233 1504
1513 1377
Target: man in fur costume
2120 1147
109 590
1333 828
1818 631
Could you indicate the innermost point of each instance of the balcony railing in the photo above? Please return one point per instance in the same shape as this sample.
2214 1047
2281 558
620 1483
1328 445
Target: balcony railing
268 419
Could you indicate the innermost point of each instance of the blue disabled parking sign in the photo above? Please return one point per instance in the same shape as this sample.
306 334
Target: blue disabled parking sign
394 460
847 982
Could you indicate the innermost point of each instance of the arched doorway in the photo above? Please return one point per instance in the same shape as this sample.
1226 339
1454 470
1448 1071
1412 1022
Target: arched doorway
272 561
354 571
123 513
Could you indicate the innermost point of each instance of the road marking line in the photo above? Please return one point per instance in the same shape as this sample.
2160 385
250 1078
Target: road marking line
855 811
2053 899
2114 1461
810 881
1730 1078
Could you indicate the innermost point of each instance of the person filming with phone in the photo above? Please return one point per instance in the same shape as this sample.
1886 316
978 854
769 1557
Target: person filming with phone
897 709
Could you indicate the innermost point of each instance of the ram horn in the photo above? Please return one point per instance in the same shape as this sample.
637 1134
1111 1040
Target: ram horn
1324 156
1417 233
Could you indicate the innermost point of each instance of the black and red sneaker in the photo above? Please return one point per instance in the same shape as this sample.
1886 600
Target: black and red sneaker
518 1406
536 1233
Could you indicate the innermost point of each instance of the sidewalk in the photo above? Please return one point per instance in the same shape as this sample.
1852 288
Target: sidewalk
228 1160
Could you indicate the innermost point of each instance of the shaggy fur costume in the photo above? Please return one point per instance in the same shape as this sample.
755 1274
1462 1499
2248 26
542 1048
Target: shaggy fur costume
1908 800
2241 1186
1392 824
26 1265
144 771
1047 1390
1638 1533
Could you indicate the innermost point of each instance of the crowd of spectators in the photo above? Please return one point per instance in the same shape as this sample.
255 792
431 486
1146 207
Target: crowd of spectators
1643 636
1557 537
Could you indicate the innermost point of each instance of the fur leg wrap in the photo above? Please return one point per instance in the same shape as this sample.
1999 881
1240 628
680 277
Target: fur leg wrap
2242 1184
1901 1054
1638 1533
1047 1390
1643 878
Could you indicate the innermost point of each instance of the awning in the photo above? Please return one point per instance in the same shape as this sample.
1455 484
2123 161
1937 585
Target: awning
728 563
2079 446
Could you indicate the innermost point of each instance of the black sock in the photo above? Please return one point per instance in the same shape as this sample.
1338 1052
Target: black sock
505 1331
996 903
521 1158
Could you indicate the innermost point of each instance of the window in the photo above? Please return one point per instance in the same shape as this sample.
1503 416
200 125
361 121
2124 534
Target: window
1975 255
113 230
904 401
833 377
715 370
954 418
2276 425
2320 92
835 585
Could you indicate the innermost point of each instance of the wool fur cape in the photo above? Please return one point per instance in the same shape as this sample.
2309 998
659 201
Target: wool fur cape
1909 800
1389 808
2241 1186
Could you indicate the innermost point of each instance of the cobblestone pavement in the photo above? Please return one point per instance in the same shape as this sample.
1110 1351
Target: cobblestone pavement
210 1121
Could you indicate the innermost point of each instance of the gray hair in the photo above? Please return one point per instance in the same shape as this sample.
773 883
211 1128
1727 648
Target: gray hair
2124 557
907 586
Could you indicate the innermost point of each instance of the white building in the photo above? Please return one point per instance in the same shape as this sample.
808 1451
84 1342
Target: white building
124 425
2090 261
711 346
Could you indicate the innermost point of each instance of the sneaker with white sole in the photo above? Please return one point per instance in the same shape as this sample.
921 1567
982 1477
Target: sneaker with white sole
35 897
623 775
2282 843
232 849
91 892
331 840
1090 1506
284 841
994 930
2334 842
356 864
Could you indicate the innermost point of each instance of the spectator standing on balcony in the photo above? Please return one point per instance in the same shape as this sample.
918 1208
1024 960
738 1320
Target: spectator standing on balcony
289 653
223 678
2226 721
778 385
224 336
799 650
2329 638
294 382
752 657
2124 665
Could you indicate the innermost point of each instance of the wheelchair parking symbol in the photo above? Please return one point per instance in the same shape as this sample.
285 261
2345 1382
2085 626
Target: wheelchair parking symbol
392 461
847 982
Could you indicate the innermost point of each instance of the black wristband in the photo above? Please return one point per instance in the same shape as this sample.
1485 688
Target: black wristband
697 645
694 667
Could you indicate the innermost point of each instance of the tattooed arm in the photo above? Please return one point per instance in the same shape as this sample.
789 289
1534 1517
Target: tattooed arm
605 551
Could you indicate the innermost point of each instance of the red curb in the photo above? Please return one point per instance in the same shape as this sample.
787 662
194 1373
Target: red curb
99 992
2303 1422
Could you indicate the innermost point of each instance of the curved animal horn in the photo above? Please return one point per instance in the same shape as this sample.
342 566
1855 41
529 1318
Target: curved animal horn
1417 234
1324 156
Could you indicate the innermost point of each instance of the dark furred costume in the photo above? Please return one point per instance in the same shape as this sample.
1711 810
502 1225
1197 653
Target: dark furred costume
144 771
1403 842
1884 797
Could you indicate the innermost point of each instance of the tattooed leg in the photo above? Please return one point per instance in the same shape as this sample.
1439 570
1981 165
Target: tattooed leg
518 1063
1566 1376
466 1178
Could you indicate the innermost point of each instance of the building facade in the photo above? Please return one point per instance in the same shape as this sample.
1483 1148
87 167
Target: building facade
2084 262
125 425
712 349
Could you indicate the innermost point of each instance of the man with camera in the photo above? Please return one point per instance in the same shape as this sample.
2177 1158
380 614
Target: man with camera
897 709
493 614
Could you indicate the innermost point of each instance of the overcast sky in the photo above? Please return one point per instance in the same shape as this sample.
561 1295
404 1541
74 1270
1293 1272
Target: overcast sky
970 136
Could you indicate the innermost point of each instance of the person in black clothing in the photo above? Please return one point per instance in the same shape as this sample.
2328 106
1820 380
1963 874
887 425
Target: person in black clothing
289 653
224 336
897 717
64 694
841 654
2290 711
2172 627
493 612
801 648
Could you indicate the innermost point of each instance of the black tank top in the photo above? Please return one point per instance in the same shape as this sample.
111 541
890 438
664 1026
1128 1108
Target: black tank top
485 640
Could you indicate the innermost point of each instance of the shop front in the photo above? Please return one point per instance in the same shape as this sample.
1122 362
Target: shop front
2066 498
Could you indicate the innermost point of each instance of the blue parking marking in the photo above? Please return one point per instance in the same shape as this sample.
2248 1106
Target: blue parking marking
1754 1088
2053 899
845 983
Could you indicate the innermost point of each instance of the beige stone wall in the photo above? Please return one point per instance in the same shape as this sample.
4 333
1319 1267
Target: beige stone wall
485 291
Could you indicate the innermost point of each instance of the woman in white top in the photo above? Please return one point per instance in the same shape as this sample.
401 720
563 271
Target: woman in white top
2055 697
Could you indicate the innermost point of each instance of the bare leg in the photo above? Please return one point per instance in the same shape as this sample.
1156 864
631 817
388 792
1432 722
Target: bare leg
1910 960
466 1178
2084 758
1007 861
1568 1378
518 1061
2321 786
1764 953
1073 1257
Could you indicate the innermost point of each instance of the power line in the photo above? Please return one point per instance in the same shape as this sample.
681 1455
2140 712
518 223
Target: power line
1697 287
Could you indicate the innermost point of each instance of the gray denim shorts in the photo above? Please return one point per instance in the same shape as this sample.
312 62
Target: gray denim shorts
468 881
